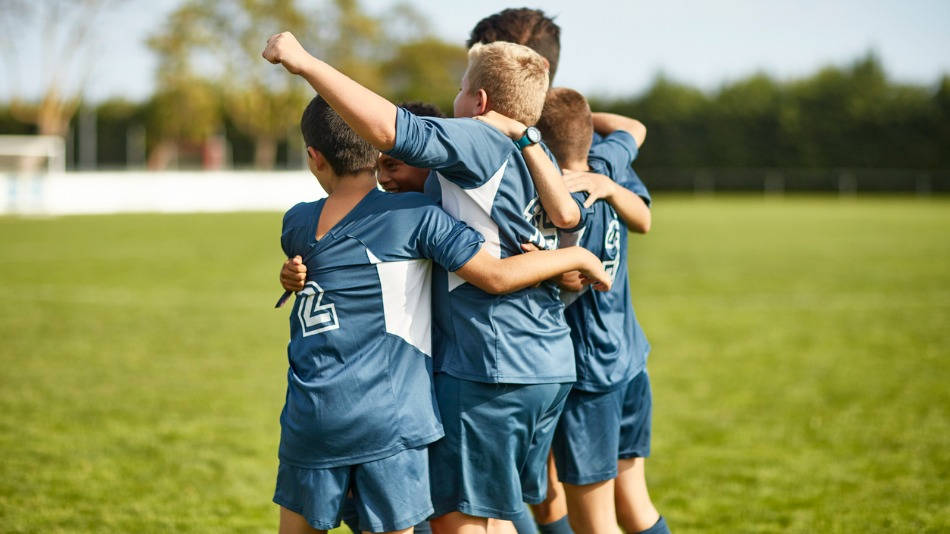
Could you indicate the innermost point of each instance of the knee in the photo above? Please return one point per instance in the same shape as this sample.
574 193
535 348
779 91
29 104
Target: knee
550 509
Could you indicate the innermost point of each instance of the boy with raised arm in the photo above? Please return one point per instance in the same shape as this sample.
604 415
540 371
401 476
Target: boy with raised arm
359 411
509 366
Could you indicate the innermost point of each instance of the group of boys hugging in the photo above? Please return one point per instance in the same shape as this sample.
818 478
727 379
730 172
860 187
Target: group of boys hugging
464 342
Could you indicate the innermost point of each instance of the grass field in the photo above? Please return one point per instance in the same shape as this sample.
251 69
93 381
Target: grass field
800 367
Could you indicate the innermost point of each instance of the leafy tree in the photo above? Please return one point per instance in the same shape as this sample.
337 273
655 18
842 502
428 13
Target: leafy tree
67 42
426 70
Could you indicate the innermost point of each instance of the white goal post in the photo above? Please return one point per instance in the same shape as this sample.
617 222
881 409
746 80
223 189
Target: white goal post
32 153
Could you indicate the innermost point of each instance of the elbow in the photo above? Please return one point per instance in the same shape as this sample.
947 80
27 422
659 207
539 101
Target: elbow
639 132
642 225
494 285
566 219
384 139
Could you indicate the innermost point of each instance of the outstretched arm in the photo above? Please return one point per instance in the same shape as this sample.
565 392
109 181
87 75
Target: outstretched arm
495 276
558 204
628 205
371 116
608 123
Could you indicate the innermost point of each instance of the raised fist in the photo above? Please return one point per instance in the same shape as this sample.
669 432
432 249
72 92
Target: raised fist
283 48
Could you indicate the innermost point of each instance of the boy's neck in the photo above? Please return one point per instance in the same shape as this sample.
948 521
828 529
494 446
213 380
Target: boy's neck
580 165
353 185
347 192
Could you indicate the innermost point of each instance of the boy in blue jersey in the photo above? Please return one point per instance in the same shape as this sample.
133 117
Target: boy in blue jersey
359 411
393 176
508 369
603 435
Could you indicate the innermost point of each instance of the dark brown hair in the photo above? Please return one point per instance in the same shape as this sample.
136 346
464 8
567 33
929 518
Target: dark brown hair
324 130
524 26
422 109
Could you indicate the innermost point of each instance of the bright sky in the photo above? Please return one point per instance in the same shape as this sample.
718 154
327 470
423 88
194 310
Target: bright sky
607 47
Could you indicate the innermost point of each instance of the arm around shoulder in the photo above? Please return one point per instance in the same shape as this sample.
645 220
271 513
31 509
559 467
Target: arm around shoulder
608 123
496 276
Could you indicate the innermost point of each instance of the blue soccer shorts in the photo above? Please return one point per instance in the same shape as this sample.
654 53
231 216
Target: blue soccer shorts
497 437
597 429
388 494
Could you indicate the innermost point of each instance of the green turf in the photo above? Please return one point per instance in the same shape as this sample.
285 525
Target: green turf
800 367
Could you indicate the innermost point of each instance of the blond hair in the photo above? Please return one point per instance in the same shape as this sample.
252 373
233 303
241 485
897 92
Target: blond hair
514 77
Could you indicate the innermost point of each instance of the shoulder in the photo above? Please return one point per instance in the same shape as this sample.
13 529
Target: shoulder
618 144
411 199
417 206
411 125
301 212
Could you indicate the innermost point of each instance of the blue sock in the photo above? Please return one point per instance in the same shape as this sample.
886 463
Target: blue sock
422 528
658 528
561 526
524 523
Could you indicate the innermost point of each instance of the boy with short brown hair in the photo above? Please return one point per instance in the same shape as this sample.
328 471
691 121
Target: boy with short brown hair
603 435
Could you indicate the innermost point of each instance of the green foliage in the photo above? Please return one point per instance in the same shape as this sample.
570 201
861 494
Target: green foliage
188 111
798 367
839 117
216 46
427 70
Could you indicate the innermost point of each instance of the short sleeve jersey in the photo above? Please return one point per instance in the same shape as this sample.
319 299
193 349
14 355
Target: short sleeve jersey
482 179
610 348
359 383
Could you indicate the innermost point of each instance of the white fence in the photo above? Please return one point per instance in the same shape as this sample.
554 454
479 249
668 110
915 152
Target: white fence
162 192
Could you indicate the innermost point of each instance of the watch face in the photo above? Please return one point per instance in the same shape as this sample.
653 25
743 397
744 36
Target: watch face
533 134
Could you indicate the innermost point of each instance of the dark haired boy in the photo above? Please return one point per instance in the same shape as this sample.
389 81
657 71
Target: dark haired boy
393 176
524 26
603 435
396 176
503 382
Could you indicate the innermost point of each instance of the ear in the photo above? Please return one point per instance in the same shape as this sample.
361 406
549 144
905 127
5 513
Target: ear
481 107
319 162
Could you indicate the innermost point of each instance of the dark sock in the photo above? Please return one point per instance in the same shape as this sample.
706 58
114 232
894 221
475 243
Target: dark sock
422 528
349 516
561 526
658 528
524 523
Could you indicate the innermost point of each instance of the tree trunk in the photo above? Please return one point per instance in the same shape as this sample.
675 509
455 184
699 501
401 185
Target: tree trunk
162 155
265 152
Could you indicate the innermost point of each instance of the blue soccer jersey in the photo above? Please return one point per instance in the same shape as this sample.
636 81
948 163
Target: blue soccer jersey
358 387
610 348
482 179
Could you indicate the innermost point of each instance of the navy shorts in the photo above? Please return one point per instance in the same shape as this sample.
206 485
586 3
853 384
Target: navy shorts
597 429
389 494
497 437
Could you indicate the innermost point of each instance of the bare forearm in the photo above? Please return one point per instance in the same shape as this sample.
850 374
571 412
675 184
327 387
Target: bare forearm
523 270
553 193
631 209
371 116
608 123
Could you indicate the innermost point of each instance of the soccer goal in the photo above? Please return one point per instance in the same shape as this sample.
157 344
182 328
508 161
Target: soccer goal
32 153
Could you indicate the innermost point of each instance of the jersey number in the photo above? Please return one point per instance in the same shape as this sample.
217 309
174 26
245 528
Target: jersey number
612 248
314 315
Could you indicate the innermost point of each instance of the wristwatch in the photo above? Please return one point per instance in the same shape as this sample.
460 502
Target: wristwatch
531 136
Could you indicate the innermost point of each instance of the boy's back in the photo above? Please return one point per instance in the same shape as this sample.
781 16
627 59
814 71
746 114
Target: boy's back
483 180
609 345
366 312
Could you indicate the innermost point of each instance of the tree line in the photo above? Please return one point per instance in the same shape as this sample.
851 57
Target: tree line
213 92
